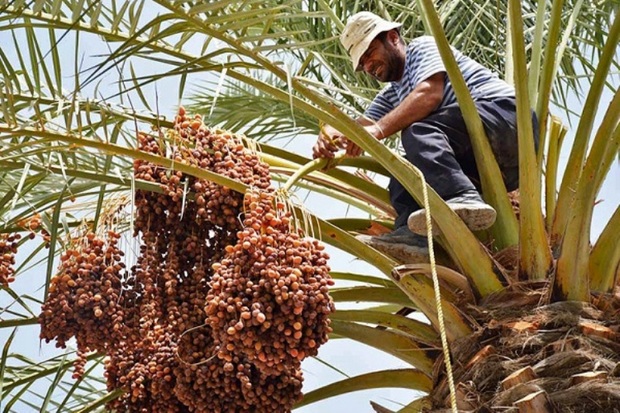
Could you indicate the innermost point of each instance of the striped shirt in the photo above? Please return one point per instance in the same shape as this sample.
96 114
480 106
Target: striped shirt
422 61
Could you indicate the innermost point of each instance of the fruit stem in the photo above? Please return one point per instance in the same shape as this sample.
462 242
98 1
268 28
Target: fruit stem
314 165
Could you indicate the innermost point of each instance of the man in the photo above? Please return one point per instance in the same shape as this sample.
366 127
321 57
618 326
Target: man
419 102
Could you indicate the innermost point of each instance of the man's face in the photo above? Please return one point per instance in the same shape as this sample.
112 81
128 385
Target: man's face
383 59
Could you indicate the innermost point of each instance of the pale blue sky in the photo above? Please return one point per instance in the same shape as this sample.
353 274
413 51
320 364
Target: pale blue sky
353 358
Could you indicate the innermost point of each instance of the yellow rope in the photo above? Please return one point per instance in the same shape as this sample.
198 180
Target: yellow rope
442 327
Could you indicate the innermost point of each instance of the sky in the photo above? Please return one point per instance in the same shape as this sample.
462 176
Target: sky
346 355
350 357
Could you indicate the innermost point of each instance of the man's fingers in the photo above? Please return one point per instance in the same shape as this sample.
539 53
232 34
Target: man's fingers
328 143
341 142
322 150
333 145
353 150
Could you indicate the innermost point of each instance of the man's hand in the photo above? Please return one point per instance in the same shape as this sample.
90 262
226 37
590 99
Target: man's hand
328 143
353 150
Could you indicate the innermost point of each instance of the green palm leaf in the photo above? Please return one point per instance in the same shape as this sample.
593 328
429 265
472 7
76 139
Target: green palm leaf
272 70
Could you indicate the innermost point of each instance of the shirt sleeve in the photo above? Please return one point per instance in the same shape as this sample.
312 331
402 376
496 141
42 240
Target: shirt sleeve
427 60
382 104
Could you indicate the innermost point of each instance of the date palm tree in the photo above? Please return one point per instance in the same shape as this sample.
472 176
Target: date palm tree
527 314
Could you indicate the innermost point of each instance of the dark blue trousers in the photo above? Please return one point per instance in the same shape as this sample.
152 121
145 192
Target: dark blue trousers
440 147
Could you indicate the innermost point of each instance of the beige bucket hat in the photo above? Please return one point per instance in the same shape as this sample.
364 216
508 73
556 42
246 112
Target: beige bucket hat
361 29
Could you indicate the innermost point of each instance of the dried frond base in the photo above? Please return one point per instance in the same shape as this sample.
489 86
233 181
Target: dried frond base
529 357
515 201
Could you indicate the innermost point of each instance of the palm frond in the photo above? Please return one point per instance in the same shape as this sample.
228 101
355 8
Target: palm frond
76 81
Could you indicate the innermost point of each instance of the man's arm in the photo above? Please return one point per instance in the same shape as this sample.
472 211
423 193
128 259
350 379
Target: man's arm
421 102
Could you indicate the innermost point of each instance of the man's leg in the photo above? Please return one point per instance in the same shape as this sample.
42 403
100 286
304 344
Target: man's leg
441 148
499 118
427 146
403 203
401 244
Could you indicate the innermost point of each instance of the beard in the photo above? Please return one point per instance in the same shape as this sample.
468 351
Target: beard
394 65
